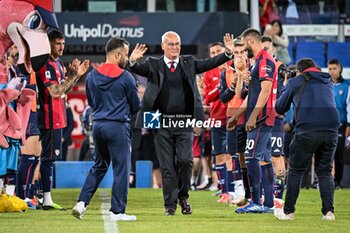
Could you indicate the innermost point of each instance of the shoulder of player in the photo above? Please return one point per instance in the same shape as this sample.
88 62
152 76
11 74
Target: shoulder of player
128 77
267 61
49 64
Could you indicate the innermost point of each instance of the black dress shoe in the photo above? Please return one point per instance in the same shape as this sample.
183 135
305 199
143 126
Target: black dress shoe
185 207
169 211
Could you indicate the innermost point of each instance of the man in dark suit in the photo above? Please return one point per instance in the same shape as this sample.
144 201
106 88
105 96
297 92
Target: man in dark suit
172 90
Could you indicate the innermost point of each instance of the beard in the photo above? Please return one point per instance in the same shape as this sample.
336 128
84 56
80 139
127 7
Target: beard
250 53
122 64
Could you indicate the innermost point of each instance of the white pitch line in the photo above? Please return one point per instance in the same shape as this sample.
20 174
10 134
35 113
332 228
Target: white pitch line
110 226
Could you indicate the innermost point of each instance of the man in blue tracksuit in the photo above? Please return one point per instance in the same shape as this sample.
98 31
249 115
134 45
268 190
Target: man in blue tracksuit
112 94
316 121
341 96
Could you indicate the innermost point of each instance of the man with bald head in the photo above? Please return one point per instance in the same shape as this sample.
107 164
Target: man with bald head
172 95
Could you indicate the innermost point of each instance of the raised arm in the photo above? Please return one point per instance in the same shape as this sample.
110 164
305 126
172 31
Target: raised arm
135 66
137 53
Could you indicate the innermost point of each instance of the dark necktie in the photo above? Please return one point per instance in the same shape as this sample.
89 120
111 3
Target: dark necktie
172 66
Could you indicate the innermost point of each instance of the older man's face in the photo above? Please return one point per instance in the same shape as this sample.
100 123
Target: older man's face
171 46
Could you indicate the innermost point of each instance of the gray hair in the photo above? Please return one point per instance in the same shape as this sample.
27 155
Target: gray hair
169 33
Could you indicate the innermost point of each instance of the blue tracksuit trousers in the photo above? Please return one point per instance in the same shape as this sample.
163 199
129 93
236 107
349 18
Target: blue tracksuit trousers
112 144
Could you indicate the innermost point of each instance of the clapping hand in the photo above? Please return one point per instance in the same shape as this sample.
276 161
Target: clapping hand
228 42
78 69
138 52
246 77
240 64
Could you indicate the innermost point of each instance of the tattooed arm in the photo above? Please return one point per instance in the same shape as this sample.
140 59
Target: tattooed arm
76 69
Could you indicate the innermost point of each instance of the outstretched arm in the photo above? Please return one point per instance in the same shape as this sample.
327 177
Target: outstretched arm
210 63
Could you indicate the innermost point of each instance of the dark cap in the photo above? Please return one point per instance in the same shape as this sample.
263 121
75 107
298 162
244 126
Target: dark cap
46 10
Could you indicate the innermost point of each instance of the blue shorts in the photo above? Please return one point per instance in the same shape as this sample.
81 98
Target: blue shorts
9 156
218 140
236 140
51 142
259 143
277 137
32 127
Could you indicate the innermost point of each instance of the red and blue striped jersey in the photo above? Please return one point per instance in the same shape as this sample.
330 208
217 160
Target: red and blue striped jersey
51 111
264 69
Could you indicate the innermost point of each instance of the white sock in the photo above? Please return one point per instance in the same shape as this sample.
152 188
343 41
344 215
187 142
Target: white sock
206 179
10 189
239 188
194 180
47 199
238 183
1 185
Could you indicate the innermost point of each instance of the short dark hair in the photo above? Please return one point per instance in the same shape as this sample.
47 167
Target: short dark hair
55 34
266 38
305 63
251 32
215 44
334 62
237 42
115 43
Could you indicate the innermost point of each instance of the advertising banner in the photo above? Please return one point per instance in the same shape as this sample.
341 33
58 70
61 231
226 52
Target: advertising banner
82 28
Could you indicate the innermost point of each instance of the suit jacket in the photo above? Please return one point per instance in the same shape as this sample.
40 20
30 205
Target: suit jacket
154 69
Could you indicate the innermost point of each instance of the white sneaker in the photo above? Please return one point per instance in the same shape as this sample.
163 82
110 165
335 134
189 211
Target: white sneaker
121 217
79 210
280 215
239 188
239 193
329 216
213 188
203 185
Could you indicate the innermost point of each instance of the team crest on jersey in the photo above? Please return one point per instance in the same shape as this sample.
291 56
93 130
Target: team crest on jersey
266 68
340 92
48 74
57 152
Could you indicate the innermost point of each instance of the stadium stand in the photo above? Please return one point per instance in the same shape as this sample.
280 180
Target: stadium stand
313 50
341 51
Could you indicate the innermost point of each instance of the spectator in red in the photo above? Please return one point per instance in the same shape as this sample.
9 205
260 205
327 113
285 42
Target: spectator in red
265 10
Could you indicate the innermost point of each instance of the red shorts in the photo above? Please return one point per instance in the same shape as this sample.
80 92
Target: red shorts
196 146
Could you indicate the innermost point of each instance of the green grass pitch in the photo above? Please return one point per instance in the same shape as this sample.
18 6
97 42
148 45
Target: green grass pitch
208 215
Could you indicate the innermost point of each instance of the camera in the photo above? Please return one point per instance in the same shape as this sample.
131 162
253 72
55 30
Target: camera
289 72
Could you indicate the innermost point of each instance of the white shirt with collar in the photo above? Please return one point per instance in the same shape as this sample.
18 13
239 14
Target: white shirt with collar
167 61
